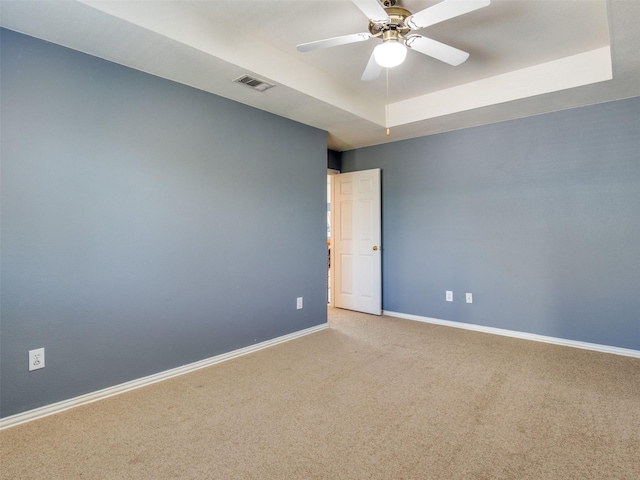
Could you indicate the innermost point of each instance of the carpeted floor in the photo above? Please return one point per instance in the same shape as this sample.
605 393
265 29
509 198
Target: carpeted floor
369 398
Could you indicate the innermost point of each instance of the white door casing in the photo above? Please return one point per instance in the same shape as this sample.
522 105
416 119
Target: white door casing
356 241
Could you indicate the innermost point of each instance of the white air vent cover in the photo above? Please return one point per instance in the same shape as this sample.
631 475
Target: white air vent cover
254 83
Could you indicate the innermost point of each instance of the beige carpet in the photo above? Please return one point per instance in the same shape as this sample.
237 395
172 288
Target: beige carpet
370 398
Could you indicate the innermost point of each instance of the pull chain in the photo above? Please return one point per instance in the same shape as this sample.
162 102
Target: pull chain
386 106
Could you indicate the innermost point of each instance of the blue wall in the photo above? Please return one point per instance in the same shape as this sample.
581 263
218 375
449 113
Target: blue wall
145 224
539 218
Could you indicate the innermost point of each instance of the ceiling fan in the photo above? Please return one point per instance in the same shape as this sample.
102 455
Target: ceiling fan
394 26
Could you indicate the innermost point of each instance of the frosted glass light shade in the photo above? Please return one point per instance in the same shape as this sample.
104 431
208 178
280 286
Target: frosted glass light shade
390 53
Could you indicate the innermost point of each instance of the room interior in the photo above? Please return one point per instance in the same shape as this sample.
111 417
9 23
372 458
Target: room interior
156 213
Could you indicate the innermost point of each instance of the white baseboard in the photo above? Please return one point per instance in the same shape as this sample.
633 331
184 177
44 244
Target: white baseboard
58 407
523 335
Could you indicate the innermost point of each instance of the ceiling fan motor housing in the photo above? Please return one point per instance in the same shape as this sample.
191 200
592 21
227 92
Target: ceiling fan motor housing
397 16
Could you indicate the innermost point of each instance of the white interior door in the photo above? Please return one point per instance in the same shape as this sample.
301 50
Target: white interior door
356 238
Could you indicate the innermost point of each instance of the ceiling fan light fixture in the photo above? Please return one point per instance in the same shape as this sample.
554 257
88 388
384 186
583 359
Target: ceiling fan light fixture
390 54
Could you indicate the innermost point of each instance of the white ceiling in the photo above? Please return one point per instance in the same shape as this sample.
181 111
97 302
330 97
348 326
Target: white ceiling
526 57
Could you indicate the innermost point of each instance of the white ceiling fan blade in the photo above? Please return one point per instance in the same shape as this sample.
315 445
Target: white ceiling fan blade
440 51
443 11
373 10
334 42
372 70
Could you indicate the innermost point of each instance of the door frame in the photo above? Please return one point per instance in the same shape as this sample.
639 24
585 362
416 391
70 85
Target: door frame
335 230
330 196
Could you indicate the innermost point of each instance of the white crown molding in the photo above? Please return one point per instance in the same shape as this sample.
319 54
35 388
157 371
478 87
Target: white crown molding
58 407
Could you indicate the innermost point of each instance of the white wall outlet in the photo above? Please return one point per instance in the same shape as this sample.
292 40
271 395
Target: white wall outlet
469 298
449 296
36 359
299 303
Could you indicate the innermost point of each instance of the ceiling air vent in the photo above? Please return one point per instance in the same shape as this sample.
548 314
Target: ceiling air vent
254 83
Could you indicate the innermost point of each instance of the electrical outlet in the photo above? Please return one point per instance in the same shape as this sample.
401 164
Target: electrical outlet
469 298
36 359
449 296
299 303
